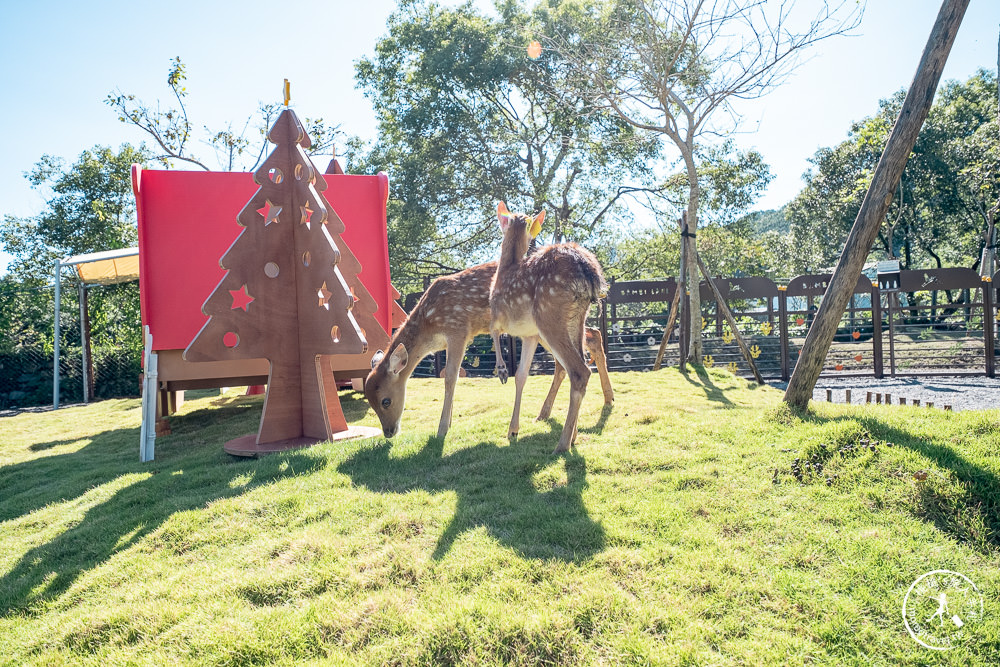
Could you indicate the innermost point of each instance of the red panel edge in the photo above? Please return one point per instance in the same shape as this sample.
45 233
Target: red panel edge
140 219
383 186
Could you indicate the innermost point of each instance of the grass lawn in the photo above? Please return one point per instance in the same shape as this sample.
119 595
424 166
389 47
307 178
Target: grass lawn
676 532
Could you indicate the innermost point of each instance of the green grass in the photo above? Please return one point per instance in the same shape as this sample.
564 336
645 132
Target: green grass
665 537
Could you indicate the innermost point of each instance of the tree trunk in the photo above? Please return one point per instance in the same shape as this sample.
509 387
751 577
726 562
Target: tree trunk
876 203
695 351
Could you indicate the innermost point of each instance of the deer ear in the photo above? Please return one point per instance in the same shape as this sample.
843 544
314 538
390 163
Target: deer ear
536 224
503 215
397 361
377 358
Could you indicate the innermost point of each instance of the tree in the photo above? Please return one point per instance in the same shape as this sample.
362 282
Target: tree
676 68
905 131
89 208
948 196
172 130
730 182
467 118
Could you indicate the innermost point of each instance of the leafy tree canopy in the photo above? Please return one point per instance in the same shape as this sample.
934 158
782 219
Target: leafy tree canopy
467 118
948 196
89 208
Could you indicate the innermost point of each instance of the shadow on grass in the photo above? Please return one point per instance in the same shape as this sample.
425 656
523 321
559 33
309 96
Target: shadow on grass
497 491
704 381
601 421
955 516
187 474
130 514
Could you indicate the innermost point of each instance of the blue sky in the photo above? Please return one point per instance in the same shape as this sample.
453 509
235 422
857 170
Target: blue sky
62 58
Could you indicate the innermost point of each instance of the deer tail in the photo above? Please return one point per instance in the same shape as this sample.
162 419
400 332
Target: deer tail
595 279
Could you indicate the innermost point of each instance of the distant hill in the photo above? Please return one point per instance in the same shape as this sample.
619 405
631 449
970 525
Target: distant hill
768 221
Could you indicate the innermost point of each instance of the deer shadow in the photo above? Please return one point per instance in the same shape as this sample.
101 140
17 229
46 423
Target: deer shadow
519 493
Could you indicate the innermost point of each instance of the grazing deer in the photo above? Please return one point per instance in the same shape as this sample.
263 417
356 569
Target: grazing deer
451 312
544 296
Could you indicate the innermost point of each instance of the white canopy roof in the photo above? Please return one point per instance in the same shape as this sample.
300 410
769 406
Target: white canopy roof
106 268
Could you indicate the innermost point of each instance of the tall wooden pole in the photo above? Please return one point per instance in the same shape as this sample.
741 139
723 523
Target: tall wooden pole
876 203
674 308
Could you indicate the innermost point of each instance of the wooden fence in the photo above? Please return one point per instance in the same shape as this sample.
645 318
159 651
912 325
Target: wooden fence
935 321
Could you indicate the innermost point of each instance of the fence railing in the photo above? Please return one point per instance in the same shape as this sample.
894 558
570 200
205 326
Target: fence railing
936 321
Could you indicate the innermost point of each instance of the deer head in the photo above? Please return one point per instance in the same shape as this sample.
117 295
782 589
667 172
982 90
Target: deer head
385 388
522 227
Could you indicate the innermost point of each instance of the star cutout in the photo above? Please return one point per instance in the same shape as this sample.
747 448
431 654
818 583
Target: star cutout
240 298
306 216
324 296
270 212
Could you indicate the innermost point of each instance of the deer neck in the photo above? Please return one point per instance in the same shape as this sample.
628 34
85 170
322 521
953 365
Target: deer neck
417 338
512 251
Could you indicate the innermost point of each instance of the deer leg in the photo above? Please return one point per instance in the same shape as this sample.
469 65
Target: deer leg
567 347
452 366
595 345
557 377
528 346
501 365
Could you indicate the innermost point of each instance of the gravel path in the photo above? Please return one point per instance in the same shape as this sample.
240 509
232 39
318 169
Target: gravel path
961 393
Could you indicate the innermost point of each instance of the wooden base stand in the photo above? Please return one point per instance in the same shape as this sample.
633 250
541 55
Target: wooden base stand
247 445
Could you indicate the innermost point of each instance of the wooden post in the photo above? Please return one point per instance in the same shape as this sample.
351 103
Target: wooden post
847 396
671 318
876 203
604 323
829 395
892 305
876 304
783 331
724 308
674 304
989 340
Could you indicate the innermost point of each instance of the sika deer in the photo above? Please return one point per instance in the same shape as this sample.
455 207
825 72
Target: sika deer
451 312
544 296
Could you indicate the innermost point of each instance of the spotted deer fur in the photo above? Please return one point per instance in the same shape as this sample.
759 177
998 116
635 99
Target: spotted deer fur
544 297
452 311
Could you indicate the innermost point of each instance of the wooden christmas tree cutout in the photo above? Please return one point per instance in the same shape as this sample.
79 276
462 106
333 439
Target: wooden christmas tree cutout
284 298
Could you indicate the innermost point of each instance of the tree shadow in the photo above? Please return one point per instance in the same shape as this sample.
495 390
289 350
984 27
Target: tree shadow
177 484
982 484
712 391
520 494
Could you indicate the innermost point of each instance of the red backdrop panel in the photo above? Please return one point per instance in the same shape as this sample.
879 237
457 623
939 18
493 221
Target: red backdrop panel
187 221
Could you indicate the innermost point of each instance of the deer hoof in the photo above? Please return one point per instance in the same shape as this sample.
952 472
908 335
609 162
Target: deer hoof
512 436
503 375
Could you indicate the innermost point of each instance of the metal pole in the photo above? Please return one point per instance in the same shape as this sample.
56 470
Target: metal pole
83 341
55 346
